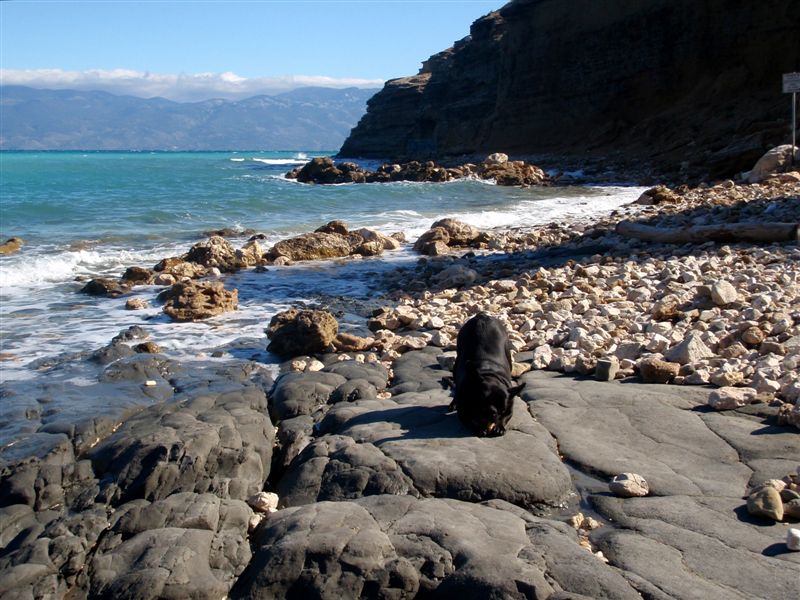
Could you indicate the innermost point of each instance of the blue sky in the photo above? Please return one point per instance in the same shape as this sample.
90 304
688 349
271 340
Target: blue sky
194 49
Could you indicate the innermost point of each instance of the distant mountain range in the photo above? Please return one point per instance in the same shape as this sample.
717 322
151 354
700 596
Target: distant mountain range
312 118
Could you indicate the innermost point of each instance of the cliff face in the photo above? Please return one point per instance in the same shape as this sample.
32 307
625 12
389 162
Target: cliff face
664 82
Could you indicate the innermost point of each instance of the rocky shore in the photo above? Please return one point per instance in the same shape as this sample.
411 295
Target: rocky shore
496 167
676 362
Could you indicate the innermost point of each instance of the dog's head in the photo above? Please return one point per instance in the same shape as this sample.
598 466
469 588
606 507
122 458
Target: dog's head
487 404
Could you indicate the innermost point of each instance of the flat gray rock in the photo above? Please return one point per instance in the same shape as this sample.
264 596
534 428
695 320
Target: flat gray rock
692 537
412 437
402 547
688 547
769 450
611 428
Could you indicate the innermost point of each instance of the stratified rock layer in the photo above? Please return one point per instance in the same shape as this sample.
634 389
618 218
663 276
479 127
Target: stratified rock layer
664 81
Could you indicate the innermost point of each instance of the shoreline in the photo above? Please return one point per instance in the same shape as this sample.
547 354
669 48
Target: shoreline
354 427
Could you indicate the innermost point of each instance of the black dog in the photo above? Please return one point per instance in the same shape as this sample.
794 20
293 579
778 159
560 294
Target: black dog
484 391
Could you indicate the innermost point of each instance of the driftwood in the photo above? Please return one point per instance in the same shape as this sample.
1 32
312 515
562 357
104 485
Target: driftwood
724 232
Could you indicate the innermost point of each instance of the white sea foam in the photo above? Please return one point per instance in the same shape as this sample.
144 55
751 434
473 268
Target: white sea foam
53 266
237 159
279 161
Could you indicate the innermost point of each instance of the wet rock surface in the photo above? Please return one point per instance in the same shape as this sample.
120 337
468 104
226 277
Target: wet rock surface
152 507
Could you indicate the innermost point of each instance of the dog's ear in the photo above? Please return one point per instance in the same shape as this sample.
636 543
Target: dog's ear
515 391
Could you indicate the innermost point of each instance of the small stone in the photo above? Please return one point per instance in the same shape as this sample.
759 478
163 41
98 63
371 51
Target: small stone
793 539
728 398
655 370
767 347
136 304
753 336
665 309
147 348
691 350
314 365
542 356
447 360
263 502
788 495
629 485
576 521
591 524
519 369
792 508
254 521
765 502
150 383
299 365
607 369
778 484
725 378
723 293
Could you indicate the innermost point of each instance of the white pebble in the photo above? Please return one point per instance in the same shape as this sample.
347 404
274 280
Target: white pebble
264 502
793 540
629 485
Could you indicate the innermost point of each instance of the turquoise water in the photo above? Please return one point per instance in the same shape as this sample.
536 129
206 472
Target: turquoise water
56 197
85 214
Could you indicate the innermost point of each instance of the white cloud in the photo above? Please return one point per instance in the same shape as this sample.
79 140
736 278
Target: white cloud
182 87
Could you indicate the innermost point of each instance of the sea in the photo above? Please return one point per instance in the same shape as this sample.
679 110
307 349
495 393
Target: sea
89 214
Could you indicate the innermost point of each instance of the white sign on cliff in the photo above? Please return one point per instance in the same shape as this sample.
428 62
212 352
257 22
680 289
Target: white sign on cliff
791 83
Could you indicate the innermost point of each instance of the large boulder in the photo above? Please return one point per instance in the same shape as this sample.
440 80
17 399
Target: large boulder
777 160
11 245
319 170
515 172
460 233
335 226
296 332
445 233
323 170
312 246
217 252
430 242
417 171
192 301
105 286
386 242
250 255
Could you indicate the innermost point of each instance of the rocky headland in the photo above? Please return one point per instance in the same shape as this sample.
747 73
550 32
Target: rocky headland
668 365
683 90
